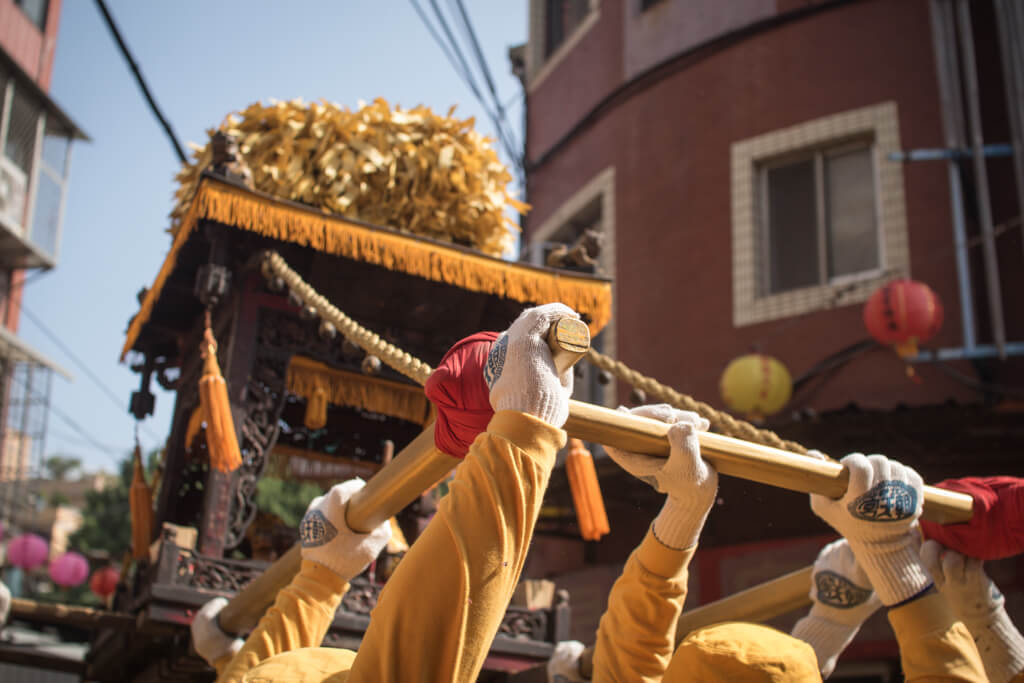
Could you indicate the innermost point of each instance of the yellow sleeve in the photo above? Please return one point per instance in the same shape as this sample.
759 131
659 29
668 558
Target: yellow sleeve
439 612
221 664
637 633
299 617
933 644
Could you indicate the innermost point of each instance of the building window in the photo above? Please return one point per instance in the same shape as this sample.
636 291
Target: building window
818 218
589 209
47 212
33 173
818 215
556 27
563 17
36 10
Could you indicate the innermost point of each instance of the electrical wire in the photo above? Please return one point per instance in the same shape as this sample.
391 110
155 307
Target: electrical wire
467 27
68 420
82 365
984 387
126 53
458 62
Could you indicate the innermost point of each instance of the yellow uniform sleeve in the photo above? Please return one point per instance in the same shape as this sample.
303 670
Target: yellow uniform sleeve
221 664
934 646
637 633
439 612
299 617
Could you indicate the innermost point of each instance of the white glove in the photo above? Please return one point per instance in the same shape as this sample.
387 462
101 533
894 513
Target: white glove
690 482
564 665
977 602
843 600
327 540
208 640
878 516
520 371
5 603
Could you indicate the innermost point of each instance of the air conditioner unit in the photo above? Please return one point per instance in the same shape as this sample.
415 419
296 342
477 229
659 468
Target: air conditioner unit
13 193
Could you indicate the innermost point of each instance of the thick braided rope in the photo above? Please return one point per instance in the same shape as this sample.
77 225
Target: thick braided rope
389 354
721 422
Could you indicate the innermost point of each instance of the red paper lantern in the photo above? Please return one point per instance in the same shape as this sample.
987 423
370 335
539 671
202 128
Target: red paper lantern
903 314
104 581
69 570
28 551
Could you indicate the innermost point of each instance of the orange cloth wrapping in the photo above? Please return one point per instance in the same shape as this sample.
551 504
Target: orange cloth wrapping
586 492
141 505
220 429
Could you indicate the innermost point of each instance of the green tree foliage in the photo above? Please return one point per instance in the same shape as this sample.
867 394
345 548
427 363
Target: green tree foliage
286 499
106 518
60 466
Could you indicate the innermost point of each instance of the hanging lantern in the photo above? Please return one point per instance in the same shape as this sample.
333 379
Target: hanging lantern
903 314
104 581
28 551
586 492
69 570
756 385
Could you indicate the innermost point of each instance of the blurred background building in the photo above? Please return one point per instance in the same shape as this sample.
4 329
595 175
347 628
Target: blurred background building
36 140
757 169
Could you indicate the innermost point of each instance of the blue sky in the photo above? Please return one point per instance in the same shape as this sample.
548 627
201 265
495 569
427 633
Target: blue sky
203 60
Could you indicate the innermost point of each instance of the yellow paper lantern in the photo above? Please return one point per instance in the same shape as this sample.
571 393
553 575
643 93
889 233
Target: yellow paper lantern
756 385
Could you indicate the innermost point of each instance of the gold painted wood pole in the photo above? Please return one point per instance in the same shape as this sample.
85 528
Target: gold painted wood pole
417 468
414 470
743 459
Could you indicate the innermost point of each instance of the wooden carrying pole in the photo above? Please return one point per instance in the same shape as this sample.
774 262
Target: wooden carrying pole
415 469
743 459
419 466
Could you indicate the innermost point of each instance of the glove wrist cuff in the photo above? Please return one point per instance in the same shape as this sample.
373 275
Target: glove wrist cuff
1001 647
895 571
827 638
546 406
678 525
852 617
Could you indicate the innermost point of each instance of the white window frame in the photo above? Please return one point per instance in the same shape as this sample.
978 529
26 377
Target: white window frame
751 301
60 179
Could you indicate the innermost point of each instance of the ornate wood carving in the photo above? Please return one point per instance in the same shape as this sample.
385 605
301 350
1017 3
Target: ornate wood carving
261 404
525 623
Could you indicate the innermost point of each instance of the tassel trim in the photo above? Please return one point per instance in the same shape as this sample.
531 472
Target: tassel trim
307 378
403 252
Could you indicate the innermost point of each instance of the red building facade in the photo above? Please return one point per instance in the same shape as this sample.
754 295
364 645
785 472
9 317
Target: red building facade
747 164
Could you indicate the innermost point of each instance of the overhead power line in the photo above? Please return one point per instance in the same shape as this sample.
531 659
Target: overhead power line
82 365
67 419
452 51
467 26
126 53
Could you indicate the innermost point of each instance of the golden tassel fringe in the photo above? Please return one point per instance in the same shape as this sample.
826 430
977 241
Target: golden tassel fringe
586 492
401 252
306 377
221 441
140 502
